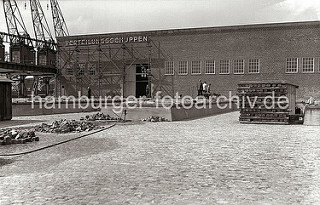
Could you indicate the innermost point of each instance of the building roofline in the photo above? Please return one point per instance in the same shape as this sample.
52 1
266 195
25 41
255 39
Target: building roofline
184 31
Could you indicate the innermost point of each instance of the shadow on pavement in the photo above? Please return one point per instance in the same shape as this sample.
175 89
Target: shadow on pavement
5 161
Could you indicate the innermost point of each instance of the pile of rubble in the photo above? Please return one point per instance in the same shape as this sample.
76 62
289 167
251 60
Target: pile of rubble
98 116
66 126
155 119
11 136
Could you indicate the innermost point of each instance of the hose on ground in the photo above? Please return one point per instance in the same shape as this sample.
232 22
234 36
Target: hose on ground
56 144
62 142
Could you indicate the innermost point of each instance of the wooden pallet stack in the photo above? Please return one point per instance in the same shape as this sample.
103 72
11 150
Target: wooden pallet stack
264 102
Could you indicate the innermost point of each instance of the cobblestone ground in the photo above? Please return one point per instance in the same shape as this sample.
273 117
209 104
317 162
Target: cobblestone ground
213 160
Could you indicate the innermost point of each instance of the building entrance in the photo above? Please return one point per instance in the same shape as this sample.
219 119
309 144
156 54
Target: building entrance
141 80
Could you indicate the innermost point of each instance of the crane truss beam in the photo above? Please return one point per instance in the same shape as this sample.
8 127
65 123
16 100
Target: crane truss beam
40 24
15 23
60 26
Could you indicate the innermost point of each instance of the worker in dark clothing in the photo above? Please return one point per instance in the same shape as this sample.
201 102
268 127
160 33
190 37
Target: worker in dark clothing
148 91
89 92
209 90
200 90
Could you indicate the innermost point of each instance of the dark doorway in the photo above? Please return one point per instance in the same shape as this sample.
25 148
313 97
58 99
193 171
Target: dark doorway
141 79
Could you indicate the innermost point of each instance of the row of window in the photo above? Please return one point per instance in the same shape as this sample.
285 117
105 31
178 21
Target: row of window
307 65
292 66
210 67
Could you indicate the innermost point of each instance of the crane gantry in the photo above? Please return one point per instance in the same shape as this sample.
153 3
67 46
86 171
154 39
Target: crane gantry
18 31
59 24
40 24
37 52
15 24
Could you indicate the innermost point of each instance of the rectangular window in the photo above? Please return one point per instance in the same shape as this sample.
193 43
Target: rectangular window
92 68
92 71
69 70
308 65
81 72
42 59
292 65
195 67
16 57
210 67
81 68
254 66
169 68
183 68
238 66
224 67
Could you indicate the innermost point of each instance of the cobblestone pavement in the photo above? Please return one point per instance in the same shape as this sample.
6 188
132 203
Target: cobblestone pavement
213 160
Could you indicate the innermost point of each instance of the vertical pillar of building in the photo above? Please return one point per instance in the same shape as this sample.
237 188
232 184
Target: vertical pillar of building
124 71
47 85
99 68
22 87
159 50
55 93
78 69
149 95
35 85
56 76
2 51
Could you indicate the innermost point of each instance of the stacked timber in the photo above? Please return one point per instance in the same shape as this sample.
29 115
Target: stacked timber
269 102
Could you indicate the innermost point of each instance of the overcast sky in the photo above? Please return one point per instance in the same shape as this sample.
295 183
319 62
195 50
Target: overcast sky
105 16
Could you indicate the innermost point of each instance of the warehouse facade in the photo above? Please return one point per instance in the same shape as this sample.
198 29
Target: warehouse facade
174 61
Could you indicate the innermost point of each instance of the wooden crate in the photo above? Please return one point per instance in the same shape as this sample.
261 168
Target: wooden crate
256 108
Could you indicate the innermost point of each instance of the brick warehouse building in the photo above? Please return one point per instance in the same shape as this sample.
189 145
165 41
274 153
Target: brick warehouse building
117 63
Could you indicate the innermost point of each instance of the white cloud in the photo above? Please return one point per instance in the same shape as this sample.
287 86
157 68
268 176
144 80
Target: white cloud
99 16
298 7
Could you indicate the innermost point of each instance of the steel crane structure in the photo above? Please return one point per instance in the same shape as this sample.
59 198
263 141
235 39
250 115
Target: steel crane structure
21 49
45 48
60 30
60 26
15 24
106 68
17 31
21 45
23 60
40 24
